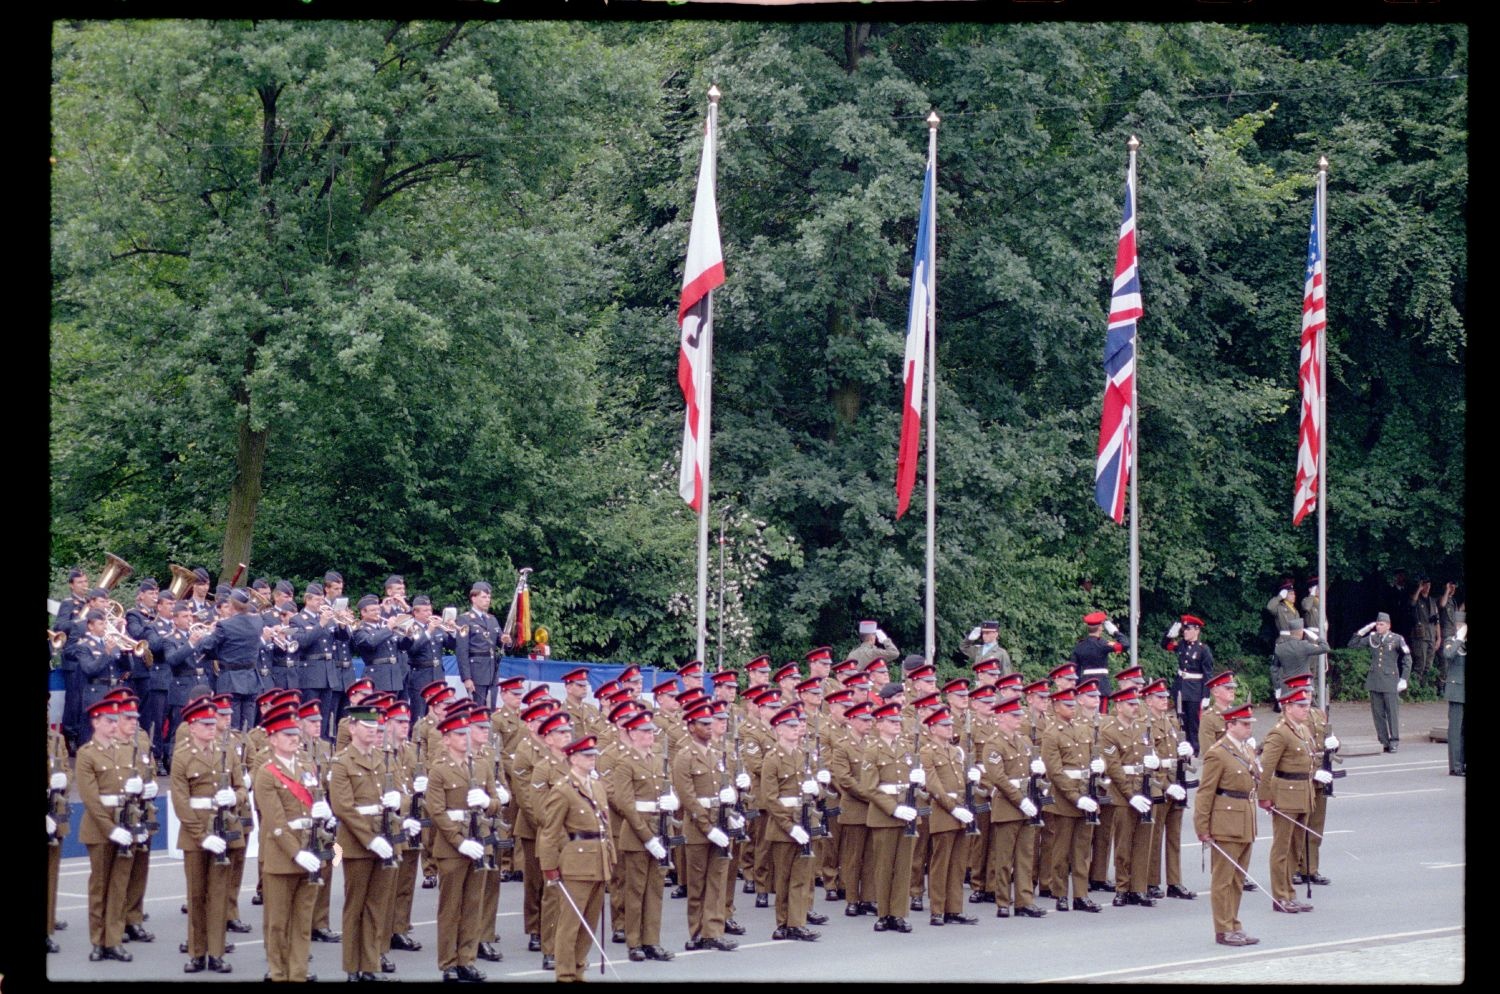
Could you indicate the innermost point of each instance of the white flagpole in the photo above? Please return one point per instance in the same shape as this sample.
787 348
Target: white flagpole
930 644
1135 440
706 403
1321 206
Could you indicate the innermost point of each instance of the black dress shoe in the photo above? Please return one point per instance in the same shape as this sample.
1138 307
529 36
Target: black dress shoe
533 943
217 965
813 918
1144 901
1154 891
721 944
618 935
954 918
450 975
869 907
842 895
853 910
804 934
916 904
1030 911
53 947
312 978
762 900
429 882
936 920
1100 885
470 974
59 926
184 909
487 951
1084 904
258 899
386 965
1250 887
117 952
549 962
1062 904
1002 911
1174 890
326 935
732 927
405 943
196 965
182 947
680 890
229 948
137 933
831 895
1319 879
637 954
145 916
883 923
657 953
235 925
900 925
670 879
1394 744
1044 892
1122 899
748 887
780 933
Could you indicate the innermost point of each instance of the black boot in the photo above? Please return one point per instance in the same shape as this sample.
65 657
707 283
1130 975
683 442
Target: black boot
196 965
217 965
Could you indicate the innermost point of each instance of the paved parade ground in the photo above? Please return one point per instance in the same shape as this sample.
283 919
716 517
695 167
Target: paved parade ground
1393 913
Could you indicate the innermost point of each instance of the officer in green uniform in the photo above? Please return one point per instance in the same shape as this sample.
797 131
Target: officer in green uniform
1390 662
1224 820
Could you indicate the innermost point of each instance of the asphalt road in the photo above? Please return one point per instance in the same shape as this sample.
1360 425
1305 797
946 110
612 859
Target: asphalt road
1394 913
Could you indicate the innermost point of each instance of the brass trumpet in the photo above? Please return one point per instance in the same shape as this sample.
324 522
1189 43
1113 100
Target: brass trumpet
344 617
182 581
136 647
115 613
57 639
200 629
115 569
281 639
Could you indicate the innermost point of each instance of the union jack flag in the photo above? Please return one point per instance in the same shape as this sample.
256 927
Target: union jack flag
1113 462
1314 320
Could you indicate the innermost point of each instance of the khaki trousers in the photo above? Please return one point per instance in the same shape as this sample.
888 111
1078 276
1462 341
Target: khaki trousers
369 889
945 874
460 891
286 922
706 874
1228 884
1011 854
890 858
108 879
207 882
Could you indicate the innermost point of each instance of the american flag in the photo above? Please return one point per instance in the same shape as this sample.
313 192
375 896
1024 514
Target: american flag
704 272
1113 462
1314 319
913 368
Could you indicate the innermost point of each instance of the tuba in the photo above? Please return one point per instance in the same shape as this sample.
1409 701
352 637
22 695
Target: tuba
115 569
182 581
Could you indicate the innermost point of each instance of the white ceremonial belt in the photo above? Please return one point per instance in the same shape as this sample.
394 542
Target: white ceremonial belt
649 807
892 788
110 800
299 824
367 809
201 803
789 802
708 802
1132 770
1075 774
1101 669
1189 676
457 814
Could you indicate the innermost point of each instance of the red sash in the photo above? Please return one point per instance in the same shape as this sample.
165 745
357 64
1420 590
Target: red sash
300 792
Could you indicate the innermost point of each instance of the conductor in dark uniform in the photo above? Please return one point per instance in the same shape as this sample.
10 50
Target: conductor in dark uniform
235 642
1195 661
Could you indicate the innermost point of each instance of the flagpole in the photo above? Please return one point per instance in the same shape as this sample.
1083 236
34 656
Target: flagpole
707 383
930 643
1321 206
1133 476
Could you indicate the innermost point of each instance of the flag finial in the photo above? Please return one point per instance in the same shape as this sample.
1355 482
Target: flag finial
1133 144
1322 163
713 94
932 120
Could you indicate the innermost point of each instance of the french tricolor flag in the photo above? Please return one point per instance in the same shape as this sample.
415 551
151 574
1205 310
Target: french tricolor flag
918 327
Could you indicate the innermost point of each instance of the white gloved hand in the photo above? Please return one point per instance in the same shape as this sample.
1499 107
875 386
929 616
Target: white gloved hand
974 635
133 785
471 849
1140 804
245 781
655 848
501 794
224 798
212 843
1096 765
1312 633
1251 743
810 787
1175 630
1463 632
735 821
1152 761
917 776
667 803
728 795
1028 807
1175 792
59 781
717 837
1322 776
1332 742
51 825
799 835
1038 767
411 827
824 777
391 799
150 790
905 813
477 798
742 781
882 637
380 847
1111 627
320 809
1400 686
974 774
1367 629
1088 804
1184 748
308 861
964 815
419 785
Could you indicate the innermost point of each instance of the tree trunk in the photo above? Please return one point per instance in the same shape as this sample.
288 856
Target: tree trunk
244 499
847 396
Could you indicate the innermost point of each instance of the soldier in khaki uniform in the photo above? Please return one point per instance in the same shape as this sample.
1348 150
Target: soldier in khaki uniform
1325 743
1224 820
549 768
1288 757
786 789
874 645
638 795
1211 723
317 754
576 855
1173 751
283 789
101 781
1125 746
456 803
205 782
701 780
1066 752
357 794
1008 765
57 822
585 716
239 817
947 771
134 749
758 741
981 732
855 871
404 762
889 767
491 774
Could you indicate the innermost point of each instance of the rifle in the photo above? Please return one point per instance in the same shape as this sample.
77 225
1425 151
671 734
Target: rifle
733 834
739 767
487 861
1092 817
822 830
972 828
388 785
804 815
1328 761
417 807
495 841
144 825
914 760
57 800
663 819
1150 795
220 826
316 840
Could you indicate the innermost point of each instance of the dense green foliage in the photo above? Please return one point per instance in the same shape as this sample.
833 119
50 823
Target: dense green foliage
431 271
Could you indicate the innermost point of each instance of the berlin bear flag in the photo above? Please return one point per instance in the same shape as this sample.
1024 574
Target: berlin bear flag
1112 463
704 272
918 327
